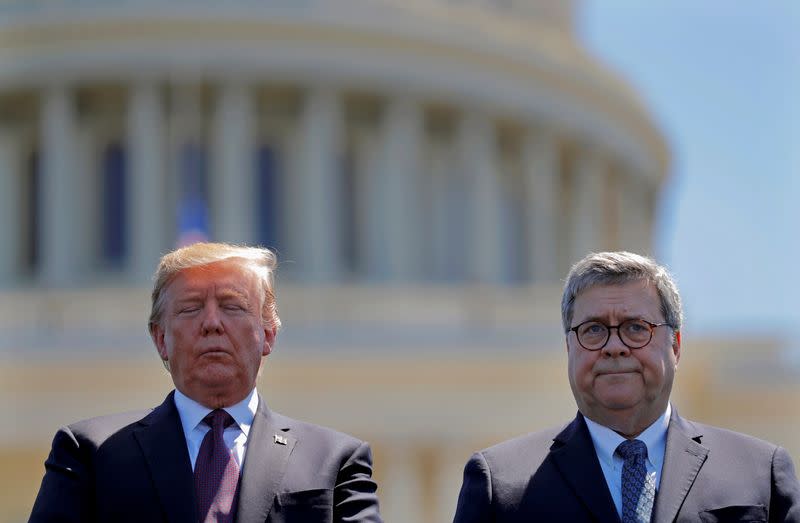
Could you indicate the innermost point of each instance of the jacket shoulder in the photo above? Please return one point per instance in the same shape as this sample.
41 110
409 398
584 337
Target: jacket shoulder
524 452
97 430
721 438
526 441
319 434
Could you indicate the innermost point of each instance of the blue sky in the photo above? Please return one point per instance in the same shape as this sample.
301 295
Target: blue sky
722 80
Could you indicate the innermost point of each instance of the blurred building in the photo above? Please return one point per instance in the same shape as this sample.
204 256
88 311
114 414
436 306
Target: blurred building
426 170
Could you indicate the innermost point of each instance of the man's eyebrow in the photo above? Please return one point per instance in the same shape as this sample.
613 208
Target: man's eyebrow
604 319
189 296
232 293
595 317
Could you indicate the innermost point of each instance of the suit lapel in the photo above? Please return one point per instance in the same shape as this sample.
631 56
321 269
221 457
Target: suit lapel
574 455
160 436
264 464
683 458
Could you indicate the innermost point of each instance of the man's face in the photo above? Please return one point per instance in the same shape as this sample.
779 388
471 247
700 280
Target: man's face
624 389
212 334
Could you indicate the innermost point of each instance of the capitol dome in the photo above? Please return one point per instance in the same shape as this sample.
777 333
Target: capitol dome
427 171
365 140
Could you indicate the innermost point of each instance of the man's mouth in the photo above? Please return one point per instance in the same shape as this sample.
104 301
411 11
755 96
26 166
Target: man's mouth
213 351
616 372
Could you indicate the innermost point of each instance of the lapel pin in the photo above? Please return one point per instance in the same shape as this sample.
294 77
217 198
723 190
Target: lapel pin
281 440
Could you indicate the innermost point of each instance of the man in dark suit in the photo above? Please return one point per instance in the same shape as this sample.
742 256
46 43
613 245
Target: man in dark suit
212 451
627 456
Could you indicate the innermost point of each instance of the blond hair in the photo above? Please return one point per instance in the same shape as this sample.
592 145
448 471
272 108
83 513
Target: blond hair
261 261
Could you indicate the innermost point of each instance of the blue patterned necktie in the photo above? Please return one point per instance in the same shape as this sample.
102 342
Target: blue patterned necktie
638 488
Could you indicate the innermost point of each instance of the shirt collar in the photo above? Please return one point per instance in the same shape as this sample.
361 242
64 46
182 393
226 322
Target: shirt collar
192 412
654 437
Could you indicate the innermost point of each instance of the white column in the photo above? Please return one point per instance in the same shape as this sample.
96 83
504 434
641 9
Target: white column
620 199
294 210
397 206
651 188
541 163
646 195
232 176
149 221
438 243
87 217
10 208
633 223
588 200
476 145
57 184
317 247
369 198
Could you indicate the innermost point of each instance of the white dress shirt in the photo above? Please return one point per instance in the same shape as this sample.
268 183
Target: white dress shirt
235 436
606 442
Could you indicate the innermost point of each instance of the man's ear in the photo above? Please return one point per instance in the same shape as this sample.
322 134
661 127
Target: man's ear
157 335
270 333
676 346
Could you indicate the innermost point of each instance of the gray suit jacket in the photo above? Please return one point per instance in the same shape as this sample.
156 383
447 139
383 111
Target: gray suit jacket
709 475
135 467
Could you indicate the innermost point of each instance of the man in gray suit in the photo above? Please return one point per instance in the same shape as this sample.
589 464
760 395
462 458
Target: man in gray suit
627 456
212 451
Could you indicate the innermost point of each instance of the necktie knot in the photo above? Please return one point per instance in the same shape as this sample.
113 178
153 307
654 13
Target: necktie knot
218 419
631 449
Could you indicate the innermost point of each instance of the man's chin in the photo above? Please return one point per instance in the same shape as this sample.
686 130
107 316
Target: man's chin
217 390
620 399
218 378
620 405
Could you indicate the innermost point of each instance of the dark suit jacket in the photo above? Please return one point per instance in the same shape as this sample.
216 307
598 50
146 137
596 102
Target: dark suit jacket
135 467
709 474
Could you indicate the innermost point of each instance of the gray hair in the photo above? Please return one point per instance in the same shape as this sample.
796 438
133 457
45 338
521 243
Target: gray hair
262 262
617 268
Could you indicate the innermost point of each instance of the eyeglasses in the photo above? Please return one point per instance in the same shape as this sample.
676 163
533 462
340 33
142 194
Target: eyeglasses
634 333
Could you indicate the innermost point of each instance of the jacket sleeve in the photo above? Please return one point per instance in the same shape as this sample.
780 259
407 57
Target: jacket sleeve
785 495
475 498
355 497
65 490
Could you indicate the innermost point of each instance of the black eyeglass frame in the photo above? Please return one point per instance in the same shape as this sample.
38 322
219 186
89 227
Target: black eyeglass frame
650 324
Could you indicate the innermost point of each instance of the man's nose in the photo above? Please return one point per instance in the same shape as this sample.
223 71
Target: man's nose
614 347
211 321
